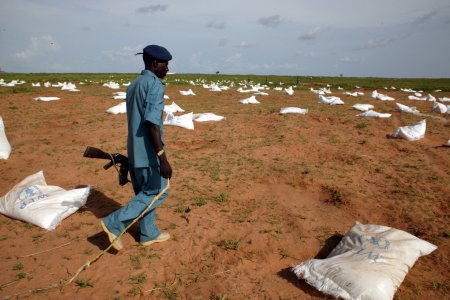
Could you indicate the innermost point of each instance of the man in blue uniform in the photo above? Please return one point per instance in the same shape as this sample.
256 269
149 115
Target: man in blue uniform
149 167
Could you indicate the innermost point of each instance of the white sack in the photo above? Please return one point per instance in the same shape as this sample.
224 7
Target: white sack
112 85
46 99
204 117
187 93
293 110
120 96
374 114
262 93
35 202
215 88
381 97
444 99
250 100
411 97
35 84
439 107
331 100
431 98
407 109
289 91
69 87
120 108
5 147
411 133
172 108
362 107
184 121
370 262
354 94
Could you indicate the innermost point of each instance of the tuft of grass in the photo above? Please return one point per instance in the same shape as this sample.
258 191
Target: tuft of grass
222 198
83 283
335 197
18 266
171 293
362 125
379 170
219 297
138 279
136 262
200 201
28 225
229 244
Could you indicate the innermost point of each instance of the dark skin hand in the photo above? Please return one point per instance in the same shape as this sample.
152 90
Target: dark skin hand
164 167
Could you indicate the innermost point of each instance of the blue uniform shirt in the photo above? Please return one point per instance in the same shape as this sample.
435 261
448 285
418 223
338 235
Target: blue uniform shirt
145 102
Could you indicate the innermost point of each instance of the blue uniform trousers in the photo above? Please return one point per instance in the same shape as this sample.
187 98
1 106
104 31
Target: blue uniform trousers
147 183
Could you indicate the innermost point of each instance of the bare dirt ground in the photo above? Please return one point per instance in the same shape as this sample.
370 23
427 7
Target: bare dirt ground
265 192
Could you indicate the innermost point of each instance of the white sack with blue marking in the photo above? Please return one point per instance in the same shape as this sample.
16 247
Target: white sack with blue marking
370 262
35 202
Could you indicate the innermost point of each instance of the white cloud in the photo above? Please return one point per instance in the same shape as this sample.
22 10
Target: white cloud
234 58
313 34
38 46
215 25
271 21
351 60
305 54
121 54
379 43
223 42
246 44
152 8
195 59
425 17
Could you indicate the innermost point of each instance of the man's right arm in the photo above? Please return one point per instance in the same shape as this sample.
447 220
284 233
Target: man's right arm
155 138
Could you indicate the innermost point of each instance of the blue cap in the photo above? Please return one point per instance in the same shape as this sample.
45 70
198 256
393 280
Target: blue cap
157 52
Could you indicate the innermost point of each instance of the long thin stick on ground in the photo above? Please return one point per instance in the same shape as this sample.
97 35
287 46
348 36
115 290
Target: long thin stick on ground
60 246
88 263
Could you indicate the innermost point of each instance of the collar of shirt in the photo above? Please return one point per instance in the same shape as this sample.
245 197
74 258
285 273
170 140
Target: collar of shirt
150 73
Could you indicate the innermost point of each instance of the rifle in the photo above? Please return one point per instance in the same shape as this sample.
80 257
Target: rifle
115 159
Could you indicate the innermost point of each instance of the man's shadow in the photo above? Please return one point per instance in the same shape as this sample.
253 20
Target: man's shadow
290 276
101 206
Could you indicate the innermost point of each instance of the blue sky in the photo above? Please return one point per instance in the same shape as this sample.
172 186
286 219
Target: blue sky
401 38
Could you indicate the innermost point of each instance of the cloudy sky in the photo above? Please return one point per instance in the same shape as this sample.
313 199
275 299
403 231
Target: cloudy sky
383 38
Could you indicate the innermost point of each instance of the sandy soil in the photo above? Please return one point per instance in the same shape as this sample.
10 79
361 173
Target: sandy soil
264 192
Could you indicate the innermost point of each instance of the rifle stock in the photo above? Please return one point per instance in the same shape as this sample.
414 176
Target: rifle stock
115 159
